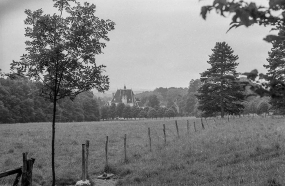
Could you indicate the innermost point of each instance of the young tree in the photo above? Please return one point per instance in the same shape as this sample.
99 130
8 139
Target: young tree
220 90
61 52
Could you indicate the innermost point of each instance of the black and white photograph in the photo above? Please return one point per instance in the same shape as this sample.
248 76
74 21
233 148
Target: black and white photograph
142 92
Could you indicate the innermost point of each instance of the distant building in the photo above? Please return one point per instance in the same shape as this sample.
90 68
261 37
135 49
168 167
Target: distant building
125 96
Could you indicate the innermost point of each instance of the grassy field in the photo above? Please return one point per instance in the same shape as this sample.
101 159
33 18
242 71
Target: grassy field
243 151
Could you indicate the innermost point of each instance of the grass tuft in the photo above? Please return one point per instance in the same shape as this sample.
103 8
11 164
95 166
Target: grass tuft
273 182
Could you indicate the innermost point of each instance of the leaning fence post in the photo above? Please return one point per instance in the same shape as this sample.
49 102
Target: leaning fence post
206 122
17 179
106 151
149 139
164 134
87 156
125 147
30 164
177 130
195 127
187 127
202 123
83 163
24 171
27 170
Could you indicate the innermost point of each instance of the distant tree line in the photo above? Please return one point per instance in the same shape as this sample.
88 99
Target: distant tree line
153 110
183 98
20 103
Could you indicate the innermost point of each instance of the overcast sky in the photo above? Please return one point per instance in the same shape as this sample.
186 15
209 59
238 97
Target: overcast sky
156 43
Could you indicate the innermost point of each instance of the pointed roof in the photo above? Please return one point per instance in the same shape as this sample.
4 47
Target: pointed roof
123 93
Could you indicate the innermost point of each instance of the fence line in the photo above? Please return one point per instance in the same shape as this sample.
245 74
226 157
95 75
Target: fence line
26 172
149 144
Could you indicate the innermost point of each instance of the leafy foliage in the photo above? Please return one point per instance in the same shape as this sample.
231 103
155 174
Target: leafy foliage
61 51
247 14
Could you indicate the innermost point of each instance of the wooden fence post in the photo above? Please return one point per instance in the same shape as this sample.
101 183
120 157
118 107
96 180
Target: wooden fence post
87 156
177 130
30 164
24 171
106 150
202 123
17 179
149 139
27 170
164 134
206 122
195 127
83 164
125 148
187 127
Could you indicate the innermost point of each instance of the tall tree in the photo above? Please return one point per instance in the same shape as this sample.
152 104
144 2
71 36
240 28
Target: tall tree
61 53
275 75
247 14
220 90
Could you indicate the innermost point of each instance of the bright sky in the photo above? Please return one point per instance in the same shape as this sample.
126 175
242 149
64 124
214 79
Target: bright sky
156 43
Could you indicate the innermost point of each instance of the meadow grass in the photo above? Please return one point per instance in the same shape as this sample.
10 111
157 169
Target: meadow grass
35 138
243 151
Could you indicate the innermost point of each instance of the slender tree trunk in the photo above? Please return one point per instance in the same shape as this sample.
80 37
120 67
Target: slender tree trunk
53 140
55 92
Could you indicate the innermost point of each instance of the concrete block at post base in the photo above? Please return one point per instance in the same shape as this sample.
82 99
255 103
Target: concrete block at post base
83 183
